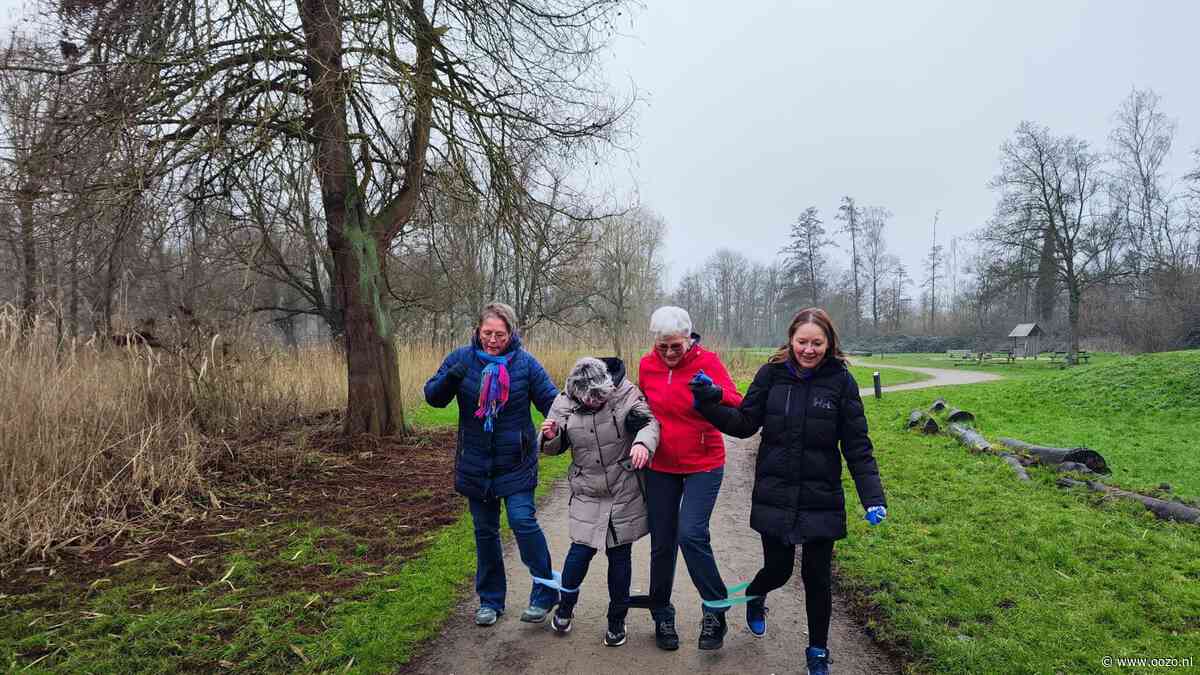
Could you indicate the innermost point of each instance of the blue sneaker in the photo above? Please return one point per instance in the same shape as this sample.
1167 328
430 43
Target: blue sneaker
756 617
818 660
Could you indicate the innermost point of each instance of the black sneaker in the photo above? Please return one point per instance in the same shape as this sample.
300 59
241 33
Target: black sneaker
665 636
560 624
712 631
615 635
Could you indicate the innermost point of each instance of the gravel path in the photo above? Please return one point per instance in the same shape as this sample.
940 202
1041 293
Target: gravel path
941 377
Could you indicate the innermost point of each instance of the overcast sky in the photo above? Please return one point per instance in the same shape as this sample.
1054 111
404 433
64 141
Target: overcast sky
753 111
756 110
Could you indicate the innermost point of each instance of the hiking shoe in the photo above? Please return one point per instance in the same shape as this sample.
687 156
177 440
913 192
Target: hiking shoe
534 614
818 660
665 636
615 635
560 624
486 616
712 631
756 617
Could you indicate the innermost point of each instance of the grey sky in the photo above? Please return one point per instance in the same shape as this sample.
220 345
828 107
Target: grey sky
758 109
755 110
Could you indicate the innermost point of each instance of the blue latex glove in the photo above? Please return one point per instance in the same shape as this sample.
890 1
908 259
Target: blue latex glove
704 392
700 379
875 515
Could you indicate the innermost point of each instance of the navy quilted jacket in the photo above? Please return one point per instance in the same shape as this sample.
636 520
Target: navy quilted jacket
504 461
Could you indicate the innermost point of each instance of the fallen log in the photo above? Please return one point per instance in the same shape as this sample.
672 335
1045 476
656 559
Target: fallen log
1016 465
922 420
1161 508
956 415
974 441
938 405
1051 456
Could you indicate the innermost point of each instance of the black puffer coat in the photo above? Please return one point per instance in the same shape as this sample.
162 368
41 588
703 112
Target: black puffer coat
804 416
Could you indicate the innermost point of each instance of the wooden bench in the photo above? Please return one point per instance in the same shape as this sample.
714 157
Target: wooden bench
960 354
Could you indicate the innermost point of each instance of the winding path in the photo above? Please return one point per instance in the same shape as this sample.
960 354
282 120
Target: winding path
512 647
941 377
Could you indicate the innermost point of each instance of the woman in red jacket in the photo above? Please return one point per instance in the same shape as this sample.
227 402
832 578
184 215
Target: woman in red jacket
685 474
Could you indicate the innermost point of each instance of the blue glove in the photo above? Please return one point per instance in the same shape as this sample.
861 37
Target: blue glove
875 515
704 392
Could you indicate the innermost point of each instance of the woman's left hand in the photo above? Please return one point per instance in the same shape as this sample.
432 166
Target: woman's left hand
639 456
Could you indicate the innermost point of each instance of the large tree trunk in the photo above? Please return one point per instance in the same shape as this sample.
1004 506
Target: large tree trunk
373 404
1047 269
1091 459
1073 317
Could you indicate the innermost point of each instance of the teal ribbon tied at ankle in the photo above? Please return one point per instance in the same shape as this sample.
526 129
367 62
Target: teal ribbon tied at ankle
735 595
555 583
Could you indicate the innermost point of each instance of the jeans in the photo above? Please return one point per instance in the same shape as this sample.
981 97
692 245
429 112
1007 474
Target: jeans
490 584
620 575
680 506
816 562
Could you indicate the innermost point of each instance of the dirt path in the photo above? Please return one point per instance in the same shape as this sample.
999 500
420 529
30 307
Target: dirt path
941 377
514 647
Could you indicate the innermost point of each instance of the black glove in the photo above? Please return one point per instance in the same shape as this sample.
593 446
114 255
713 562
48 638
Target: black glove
636 420
704 392
457 372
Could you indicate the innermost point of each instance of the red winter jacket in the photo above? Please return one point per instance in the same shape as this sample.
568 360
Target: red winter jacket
689 444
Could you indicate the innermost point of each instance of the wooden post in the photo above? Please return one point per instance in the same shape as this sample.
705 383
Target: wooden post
878 387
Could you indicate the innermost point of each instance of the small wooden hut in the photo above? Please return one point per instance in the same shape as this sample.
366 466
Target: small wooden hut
1024 340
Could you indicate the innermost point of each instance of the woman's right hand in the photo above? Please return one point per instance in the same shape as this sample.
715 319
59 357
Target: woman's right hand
549 429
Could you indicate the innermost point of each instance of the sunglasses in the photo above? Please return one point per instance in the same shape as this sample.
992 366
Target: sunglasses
675 348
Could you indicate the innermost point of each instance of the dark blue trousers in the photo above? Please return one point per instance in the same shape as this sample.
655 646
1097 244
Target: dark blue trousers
680 506
620 575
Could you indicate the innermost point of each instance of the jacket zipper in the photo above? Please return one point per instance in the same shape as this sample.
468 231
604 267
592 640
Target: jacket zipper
670 371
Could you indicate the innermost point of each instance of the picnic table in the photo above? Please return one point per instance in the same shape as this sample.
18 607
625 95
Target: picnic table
960 356
1081 355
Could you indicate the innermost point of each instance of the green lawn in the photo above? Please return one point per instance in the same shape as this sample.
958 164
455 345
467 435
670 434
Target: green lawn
975 569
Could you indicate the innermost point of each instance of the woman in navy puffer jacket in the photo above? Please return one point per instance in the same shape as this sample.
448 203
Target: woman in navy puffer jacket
495 381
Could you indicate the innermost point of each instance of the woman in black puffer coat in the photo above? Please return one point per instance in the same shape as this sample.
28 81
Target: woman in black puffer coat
807 404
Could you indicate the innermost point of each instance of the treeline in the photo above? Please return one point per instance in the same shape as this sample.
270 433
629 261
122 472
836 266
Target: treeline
1095 245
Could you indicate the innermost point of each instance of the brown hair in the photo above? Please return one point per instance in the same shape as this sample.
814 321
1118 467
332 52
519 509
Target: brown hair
500 311
817 317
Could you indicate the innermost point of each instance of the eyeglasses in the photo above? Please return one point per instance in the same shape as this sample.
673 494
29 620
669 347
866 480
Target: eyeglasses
489 335
671 348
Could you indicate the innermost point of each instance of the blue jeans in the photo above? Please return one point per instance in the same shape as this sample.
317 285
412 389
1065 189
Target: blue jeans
489 554
620 575
680 506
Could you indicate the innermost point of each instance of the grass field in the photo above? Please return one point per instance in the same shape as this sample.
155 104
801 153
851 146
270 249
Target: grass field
977 572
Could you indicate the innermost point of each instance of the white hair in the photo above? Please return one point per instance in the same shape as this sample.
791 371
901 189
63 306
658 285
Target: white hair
670 321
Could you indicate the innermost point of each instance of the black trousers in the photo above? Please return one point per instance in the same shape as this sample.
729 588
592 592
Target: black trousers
816 563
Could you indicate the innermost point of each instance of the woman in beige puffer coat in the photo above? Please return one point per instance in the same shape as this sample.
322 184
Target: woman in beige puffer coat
605 421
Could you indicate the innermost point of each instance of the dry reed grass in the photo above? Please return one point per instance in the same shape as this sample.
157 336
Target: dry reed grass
95 441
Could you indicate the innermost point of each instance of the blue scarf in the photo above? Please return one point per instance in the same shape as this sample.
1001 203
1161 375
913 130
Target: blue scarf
493 387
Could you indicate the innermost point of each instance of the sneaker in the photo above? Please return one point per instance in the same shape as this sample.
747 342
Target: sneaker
534 614
665 636
756 618
818 660
560 624
712 630
486 616
615 635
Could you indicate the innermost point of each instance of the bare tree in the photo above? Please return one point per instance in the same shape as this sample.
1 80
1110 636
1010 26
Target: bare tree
851 217
373 88
875 258
629 270
1050 187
